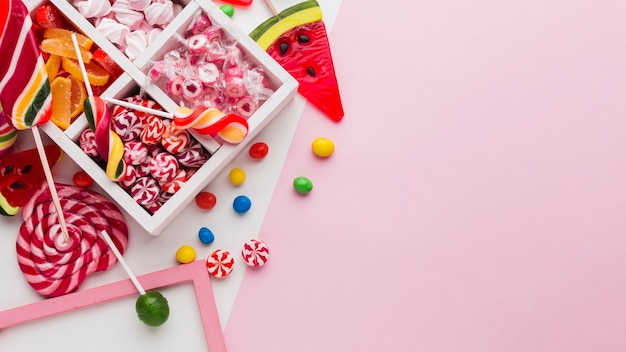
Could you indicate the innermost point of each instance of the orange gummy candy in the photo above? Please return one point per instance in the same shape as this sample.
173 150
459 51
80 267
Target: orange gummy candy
53 64
64 48
68 95
64 34
97 75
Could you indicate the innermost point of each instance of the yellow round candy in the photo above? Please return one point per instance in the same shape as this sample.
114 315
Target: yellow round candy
185 254
237 176
323 147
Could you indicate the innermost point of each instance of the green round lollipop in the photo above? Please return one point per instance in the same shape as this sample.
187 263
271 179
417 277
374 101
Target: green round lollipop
152 308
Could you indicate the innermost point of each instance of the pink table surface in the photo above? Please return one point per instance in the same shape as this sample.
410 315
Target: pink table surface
476 198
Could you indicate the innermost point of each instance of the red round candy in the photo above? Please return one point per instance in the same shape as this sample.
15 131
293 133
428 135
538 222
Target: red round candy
205 200
258 150
82 179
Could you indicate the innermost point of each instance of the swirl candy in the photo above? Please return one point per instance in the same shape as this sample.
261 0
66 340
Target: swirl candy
158 14
164 167
88 142
145 190
91 9
108 144
127 125
152 131
51 265
175 140
194 156
220 263
24 90
135 153
231 128
255 252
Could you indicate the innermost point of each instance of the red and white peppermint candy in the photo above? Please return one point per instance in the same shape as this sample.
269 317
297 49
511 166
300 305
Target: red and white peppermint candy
220 263
53 266
152 130
127 125
194 156
175 184
164 167
145 190
135 153
88 142
255 252
175 140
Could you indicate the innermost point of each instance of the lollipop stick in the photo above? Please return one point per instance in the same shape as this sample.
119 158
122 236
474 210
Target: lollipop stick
120 259
271 7
81 64
50 181
138 107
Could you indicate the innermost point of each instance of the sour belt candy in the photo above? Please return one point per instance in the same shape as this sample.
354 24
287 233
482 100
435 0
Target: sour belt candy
53 266
211 121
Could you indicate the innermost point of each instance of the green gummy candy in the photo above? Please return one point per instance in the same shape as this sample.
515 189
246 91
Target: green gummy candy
228 9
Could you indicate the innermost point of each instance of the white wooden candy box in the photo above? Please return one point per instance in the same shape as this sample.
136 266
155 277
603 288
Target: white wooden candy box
283 85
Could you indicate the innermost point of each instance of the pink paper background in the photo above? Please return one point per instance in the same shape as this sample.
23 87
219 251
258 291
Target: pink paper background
476 199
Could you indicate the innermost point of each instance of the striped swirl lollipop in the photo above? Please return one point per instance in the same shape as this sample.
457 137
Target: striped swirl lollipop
54 266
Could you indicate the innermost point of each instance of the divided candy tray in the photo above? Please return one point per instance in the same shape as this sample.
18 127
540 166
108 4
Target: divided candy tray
135 80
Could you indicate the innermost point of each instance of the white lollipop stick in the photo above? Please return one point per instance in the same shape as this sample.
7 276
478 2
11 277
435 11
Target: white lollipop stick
139 108
120 259
83 71
50 181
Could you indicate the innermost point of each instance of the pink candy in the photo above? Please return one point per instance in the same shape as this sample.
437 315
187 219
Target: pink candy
193 156
88 142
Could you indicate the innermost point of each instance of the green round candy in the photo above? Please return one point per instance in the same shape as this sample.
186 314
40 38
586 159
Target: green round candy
152 308
302 185
228 9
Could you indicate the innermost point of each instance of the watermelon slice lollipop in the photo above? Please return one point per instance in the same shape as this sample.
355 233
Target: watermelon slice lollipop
21 175
297 39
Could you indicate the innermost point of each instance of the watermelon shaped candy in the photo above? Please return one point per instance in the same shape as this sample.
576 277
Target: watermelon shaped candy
21 175
296 38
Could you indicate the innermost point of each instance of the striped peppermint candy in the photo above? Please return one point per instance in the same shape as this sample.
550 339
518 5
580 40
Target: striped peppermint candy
127 125
137 100
194 156
164 167
88 142
145 190
135 153
255 252
175 184
220 263
152 130
175 140
54 266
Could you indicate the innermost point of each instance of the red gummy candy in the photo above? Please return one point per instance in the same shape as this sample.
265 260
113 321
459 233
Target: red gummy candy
48 16
104 60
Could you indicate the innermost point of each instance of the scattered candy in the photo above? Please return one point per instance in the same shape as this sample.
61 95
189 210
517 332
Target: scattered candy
228 9
206 236
323 147
82 179
255 252
206 200
302 185
241 204
237 176
220 263
258 150
185 254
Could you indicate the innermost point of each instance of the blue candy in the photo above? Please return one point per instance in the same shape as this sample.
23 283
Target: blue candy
242 204
206 236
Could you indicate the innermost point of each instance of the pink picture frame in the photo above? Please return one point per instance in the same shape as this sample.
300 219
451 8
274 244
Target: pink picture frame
194 272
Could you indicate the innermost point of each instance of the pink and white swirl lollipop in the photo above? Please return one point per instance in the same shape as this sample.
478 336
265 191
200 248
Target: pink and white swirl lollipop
54 266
